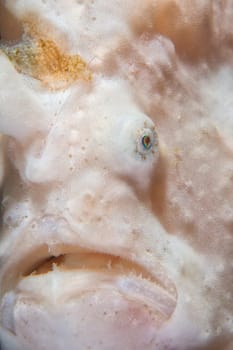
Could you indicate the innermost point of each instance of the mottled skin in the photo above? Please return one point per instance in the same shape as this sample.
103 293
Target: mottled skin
141 239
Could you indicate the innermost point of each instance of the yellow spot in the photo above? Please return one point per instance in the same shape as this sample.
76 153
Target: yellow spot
43 60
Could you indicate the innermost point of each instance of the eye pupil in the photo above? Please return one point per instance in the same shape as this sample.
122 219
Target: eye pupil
146 142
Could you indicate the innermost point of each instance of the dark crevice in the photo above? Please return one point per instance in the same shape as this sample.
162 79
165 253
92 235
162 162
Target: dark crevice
88 261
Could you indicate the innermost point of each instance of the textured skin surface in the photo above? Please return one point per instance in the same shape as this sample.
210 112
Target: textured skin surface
140 240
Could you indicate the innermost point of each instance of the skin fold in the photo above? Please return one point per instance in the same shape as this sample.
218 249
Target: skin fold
116 175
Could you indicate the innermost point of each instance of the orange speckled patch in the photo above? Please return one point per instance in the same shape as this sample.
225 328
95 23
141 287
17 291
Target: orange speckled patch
43 60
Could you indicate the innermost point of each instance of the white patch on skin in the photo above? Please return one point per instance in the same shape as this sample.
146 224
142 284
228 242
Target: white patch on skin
219 102
20 98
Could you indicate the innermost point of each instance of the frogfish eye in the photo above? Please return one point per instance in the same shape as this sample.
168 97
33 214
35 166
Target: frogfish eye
146 142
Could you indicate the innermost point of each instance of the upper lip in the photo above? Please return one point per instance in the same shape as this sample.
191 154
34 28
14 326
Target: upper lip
40 260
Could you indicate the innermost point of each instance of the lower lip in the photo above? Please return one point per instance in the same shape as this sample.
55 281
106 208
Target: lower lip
89 308
100 320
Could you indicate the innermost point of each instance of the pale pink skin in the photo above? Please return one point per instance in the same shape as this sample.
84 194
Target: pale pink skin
73 183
